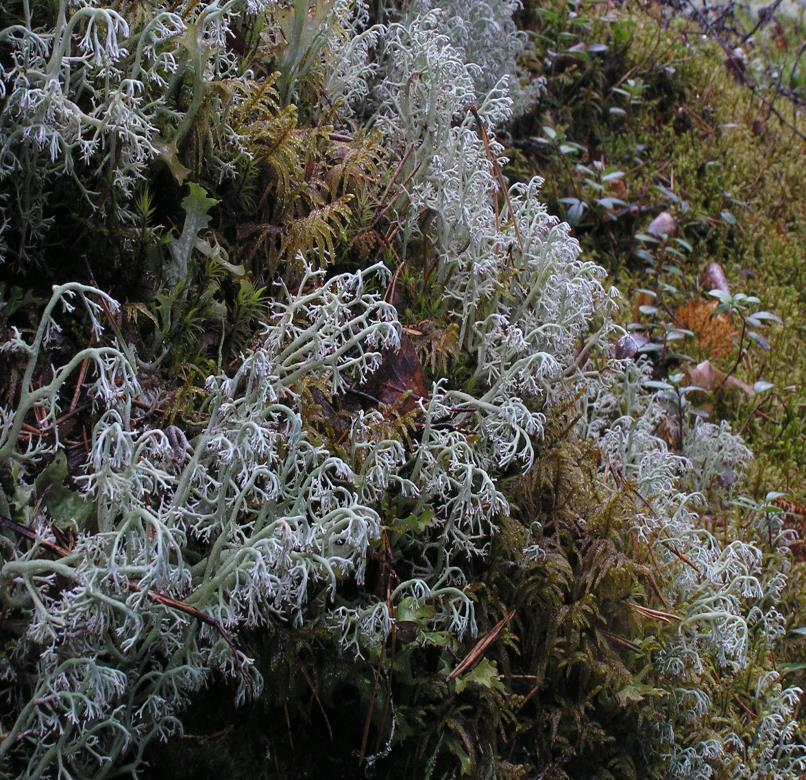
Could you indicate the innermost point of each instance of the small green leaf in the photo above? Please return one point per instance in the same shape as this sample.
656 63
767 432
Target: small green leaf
485 674
644 255
610 203
767 316
629 694
413 523
465 759
720 295
651 347
169 155
760 340
653 384
67 508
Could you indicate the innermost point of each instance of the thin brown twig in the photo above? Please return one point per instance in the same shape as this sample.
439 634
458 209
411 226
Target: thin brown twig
157 598
705 24
747 709
316 697
383 205
499 174
528 698
621 481
390 291
620 640
288 727
478 650
654 614
765 16
82 375
371 706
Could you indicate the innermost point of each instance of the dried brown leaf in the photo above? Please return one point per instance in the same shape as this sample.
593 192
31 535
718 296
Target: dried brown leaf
708 377
400 381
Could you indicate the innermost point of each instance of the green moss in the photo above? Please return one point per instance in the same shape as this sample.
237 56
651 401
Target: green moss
696 143
566 689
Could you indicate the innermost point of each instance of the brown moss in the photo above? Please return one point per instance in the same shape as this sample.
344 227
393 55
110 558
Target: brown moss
714 332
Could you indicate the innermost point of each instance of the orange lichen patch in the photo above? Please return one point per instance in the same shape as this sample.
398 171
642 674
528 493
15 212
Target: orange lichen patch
716 334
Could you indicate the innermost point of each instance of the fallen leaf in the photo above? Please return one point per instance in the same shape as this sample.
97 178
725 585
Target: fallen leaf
663 225
727 478
713 278
627 346
67 507
618 188
778 36
323 414
794 521
708 377
400 381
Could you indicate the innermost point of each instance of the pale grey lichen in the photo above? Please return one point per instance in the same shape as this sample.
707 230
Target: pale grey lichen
126 624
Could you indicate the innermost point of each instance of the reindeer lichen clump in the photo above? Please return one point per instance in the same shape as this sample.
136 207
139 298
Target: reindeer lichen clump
275 513
723 593
242 514
90 98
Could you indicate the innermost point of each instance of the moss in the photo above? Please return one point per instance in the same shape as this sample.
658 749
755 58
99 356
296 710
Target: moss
731 176
568 686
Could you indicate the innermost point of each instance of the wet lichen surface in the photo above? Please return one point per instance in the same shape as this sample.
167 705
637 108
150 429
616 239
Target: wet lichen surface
406 389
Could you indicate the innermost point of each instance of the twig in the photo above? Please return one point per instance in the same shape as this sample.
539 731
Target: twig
157 598
654 614
620 640
764 16
288 727
478 650
527 698
499 174
82 375
679 555
747 709
371 706
390 291
318 700
706 24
